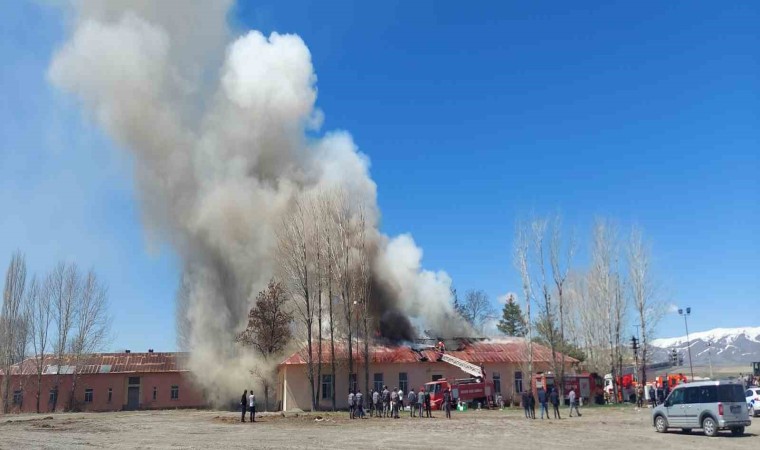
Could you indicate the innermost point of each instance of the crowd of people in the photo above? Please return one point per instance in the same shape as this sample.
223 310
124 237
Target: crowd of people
389 403
546 398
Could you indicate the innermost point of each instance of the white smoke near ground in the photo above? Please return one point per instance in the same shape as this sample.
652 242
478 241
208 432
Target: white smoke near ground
217 128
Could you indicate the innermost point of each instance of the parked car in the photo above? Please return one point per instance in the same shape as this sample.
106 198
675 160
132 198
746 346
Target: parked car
709 405
753 400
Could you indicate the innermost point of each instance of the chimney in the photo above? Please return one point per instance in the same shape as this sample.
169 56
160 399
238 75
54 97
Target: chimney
150 350
127 351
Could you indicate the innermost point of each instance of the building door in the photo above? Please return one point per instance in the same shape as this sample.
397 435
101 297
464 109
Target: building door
133 397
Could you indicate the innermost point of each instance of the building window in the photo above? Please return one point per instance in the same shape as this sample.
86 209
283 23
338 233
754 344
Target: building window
110 394
352 382
18 397
134 380
175 392
378 382
88 395
403 382
437 377
53 398
497 382
518 382
326 386
155 393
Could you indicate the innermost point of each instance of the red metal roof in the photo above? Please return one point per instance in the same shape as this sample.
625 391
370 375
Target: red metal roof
107 363
477 352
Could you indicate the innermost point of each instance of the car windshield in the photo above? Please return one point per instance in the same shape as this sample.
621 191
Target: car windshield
729 393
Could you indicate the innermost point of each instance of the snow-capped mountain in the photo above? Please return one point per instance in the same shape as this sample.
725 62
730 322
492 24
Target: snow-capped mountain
724 345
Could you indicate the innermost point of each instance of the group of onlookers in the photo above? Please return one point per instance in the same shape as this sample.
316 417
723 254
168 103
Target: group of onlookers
388 403
546 398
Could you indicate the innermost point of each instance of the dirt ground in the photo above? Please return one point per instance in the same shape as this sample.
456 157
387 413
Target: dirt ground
599 428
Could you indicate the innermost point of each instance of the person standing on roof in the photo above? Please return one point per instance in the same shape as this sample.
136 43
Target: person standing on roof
421 400
350 404
412 397
244 404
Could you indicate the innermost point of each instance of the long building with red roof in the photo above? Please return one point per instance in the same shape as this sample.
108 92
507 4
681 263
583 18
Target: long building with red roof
104 382
406 367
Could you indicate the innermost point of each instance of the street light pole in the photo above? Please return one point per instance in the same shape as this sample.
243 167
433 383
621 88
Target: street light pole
709 356
686 314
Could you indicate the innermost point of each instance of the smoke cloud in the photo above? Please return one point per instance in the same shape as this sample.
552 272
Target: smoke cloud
224 134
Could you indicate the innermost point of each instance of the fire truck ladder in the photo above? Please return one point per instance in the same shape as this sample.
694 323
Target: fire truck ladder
469 368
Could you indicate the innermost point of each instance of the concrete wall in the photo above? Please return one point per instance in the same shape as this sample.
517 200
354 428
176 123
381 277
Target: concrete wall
293 386
189 396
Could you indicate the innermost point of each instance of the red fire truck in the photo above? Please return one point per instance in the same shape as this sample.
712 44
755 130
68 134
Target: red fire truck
468 390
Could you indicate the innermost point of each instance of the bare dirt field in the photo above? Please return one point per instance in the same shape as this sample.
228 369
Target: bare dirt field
599 428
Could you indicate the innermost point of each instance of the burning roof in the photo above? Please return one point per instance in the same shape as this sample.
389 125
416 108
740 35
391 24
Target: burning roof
511 350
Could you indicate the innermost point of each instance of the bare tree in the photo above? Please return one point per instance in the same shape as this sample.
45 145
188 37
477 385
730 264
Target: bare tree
561 257
606 288
649 310
477 309
363 291
92 324
295 261
325 204
342 255
40 318
268 330
521 251
65 285
12 321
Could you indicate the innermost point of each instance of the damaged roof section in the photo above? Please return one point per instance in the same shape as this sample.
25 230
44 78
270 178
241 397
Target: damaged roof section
106 363
507 350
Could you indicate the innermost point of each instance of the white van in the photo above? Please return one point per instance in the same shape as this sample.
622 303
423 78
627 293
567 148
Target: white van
709 405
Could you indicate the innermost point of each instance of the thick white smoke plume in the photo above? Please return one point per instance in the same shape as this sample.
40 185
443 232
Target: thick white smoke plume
217 129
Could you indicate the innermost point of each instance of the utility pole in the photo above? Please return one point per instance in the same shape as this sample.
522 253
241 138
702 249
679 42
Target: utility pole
635 348
686 314
709 356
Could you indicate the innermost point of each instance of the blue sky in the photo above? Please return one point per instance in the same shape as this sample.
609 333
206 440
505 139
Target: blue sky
473 115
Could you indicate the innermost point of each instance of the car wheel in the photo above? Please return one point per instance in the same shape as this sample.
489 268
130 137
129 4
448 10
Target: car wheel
709 426
738 431
686 430
660 424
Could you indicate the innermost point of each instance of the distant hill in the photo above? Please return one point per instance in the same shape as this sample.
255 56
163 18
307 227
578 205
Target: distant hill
730 346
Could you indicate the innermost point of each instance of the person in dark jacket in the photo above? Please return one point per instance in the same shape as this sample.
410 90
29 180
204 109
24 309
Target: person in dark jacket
652 396
542 401
447 403
244 405
524 402
554 400
428 407
532 403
